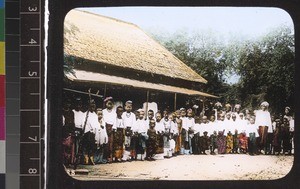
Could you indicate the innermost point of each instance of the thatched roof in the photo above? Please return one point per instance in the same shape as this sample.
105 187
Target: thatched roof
118 43
85 76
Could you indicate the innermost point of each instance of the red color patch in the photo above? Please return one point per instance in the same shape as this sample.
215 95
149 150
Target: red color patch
2 90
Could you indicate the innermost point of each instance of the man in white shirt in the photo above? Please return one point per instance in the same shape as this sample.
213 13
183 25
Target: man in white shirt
89 127
79 118
263 121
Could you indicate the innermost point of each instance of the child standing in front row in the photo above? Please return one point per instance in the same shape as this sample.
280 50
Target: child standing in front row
101 139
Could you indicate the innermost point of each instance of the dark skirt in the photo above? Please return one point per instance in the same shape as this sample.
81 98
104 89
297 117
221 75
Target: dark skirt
204 143
68 150
119 138
110 135
151 144
221 143
196 142
262 140
141 144
243 142
160 144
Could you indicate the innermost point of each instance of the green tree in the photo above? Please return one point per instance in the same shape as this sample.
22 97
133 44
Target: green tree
266 68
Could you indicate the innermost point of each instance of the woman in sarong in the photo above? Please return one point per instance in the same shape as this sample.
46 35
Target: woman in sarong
204 143
229 143
221 142
68 135
243 142
236 142
178 138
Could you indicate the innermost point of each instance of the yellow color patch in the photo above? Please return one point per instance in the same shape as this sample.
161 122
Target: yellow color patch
2 58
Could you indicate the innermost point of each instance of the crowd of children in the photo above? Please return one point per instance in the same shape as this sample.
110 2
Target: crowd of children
119 134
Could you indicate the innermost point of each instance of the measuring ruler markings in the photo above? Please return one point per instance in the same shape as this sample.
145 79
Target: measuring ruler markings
31 97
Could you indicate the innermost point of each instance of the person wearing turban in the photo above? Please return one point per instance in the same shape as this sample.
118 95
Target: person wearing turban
264 123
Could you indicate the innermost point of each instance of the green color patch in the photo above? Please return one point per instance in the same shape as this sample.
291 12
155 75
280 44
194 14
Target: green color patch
2 14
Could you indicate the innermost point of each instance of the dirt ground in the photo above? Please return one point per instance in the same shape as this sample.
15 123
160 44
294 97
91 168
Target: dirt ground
194 167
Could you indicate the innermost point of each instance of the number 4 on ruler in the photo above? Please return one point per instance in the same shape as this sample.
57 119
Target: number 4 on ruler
32 41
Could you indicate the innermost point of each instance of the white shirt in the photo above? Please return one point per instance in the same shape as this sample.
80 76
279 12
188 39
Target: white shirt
173 127
263 118
79 118
109 117
203 128
184 123
141 126
129 119
190 123
91 123
292 125
197 129
252 128
220 126
101 134
119 123
159 126
211 127
241 125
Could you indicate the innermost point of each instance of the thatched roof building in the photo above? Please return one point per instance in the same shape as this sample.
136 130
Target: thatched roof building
112 51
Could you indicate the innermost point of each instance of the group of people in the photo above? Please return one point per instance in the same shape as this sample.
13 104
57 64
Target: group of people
117 134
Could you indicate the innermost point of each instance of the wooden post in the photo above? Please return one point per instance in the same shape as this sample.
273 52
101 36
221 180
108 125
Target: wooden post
146 113
203 106
175 101
104 95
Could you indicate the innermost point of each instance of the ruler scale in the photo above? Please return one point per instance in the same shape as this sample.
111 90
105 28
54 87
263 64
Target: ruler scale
31 144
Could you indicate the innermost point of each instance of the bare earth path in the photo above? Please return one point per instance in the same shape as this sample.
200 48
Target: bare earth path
195 167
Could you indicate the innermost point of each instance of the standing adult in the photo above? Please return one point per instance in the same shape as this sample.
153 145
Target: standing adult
89 129
263 121
79 117
68 134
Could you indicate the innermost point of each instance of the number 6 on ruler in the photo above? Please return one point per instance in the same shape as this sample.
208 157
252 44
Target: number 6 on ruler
34 139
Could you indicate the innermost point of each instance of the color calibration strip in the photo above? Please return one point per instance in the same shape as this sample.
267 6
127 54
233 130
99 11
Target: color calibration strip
12 93
2 96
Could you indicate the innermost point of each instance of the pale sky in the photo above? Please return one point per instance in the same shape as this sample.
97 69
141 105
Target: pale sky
245 22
